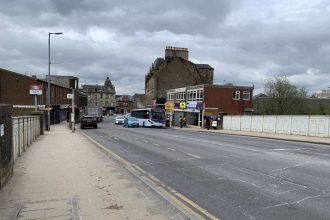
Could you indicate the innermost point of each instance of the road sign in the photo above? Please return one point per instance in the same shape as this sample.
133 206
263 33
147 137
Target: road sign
69 96
35 90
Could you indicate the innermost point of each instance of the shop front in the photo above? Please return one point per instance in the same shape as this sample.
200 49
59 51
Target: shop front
192 111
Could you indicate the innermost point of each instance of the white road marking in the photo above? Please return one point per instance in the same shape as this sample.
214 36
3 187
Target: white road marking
171 149
155 144
193 155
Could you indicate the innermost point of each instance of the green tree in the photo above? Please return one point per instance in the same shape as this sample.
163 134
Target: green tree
284 98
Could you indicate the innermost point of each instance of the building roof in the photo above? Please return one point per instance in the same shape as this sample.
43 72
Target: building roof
203 66
209 86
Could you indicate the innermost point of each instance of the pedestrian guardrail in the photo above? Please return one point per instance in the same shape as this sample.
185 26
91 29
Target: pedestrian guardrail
26 129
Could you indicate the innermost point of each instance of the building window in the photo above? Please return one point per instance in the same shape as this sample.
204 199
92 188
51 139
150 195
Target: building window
246 95
195 95
236 95
200 95
180 96
170 96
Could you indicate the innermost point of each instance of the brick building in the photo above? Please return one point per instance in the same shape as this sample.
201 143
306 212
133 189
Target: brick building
15 87
174 71
195 102
103 96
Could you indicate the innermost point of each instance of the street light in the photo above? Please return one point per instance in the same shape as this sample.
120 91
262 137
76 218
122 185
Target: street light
48 90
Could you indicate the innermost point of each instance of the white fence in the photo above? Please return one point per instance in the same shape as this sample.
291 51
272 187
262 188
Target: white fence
318 126
25 130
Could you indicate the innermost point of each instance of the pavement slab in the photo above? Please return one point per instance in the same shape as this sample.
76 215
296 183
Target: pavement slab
63 175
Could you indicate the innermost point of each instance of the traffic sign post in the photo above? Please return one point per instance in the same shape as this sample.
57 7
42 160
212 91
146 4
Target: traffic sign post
35 90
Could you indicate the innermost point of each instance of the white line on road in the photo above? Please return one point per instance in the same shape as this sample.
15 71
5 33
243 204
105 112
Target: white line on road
171 149
193 155
155 144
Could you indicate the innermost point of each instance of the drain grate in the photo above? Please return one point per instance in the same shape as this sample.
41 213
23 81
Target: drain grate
66 208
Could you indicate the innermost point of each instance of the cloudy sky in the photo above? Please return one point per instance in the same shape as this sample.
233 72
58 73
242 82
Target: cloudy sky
246 41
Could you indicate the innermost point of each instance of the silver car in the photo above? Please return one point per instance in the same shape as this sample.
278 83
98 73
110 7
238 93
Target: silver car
119 120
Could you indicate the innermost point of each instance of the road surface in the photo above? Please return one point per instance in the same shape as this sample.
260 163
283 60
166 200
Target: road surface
232 177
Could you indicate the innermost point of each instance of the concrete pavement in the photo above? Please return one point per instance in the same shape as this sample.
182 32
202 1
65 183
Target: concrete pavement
299 138
64 176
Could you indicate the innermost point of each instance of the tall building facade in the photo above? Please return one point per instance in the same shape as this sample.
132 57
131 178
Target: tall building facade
125 103
174 71
103 96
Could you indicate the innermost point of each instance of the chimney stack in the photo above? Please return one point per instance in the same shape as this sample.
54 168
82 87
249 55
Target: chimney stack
176 52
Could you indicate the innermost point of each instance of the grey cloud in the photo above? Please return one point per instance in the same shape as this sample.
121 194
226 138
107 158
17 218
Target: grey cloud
244 46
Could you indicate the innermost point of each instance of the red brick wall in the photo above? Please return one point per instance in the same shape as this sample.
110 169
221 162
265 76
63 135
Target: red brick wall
14 88
222 98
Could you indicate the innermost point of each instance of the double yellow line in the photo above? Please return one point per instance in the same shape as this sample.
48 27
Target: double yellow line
188 207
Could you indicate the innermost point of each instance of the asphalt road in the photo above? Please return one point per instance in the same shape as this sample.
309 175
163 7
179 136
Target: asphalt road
233 177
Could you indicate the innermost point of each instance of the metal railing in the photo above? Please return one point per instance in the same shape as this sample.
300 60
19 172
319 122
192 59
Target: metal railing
26 129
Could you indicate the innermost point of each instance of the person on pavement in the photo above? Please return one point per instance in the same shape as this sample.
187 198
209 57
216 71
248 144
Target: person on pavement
184 121
208 121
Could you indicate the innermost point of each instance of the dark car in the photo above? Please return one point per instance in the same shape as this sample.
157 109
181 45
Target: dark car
131 122
88 121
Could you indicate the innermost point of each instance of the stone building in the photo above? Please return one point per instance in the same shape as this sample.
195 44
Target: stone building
125 103
103 96
139 100
174 71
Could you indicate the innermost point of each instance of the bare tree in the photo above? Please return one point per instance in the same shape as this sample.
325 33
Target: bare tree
284 97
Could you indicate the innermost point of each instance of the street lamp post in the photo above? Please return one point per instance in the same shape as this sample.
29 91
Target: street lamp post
48 90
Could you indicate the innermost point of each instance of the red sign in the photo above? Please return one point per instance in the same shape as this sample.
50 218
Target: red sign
35 90
35 87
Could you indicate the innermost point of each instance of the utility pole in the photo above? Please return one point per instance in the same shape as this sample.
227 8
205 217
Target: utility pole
73 112
48 89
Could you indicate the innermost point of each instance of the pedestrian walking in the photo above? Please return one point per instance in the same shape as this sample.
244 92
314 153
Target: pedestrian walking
184 121
181 121
208 121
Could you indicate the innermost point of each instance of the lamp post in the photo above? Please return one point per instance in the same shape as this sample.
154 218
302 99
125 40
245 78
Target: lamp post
48 90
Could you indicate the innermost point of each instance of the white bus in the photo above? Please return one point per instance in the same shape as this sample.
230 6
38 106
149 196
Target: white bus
149 117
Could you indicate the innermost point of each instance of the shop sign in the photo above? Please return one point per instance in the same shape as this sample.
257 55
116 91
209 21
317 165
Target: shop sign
195 105
191 105
199 106
182 105
168 105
